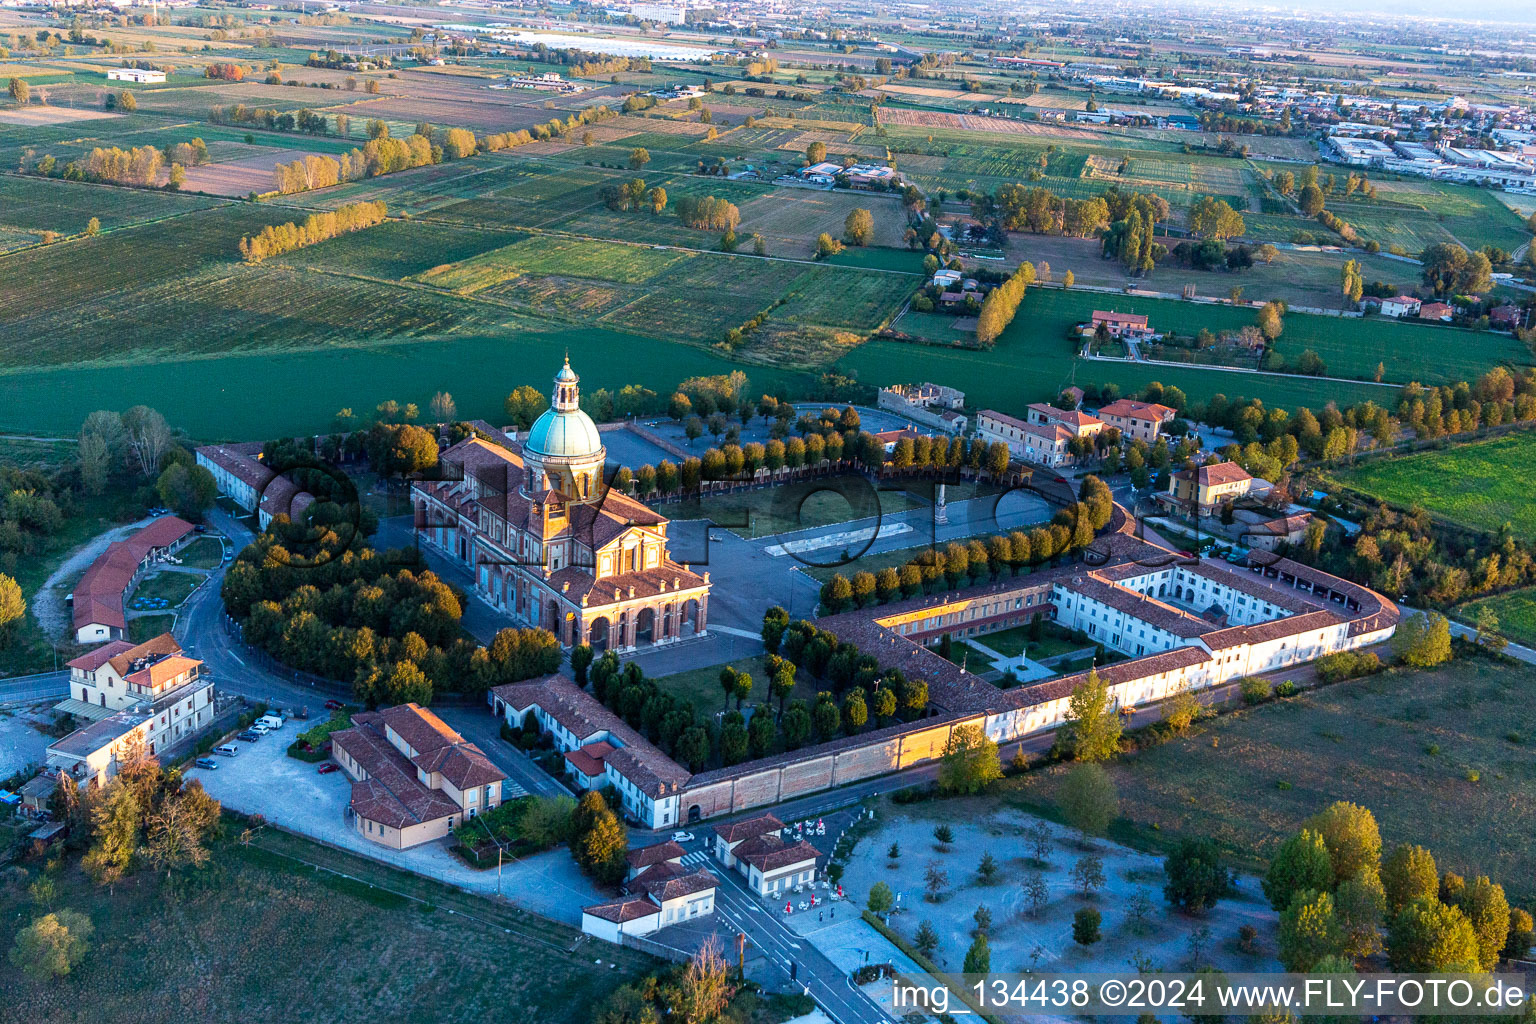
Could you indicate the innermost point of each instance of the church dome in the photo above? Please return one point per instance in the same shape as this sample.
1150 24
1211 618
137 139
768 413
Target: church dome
564 432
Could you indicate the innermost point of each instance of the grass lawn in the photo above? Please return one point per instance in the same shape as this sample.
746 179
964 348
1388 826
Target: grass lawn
702 685
147 627
204 553
1012 642
764 513
1481 485
1402 743
166 585
272 933
1516 611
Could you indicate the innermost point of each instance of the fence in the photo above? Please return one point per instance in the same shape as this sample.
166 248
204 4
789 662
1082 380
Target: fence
653 947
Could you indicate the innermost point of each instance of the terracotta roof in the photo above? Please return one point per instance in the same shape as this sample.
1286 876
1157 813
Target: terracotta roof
156 647
669 577
635 757
438 748
589 759
163 671
1213 476
645 856
1125 408
662 890
769 853
393 793
748 828
1071 417
631 908
98 597
100 656
1130 319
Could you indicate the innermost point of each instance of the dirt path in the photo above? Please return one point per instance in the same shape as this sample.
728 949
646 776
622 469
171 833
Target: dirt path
48 603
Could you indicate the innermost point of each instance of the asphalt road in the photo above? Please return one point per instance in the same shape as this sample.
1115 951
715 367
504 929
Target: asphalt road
24 689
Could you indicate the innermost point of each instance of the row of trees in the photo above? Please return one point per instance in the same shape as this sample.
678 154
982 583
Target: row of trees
967 563
1340 901
708 213
274 240
1002 303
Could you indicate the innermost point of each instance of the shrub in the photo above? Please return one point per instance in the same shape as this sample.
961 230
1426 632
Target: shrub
1085 926
1285 689
1333 668
1255 690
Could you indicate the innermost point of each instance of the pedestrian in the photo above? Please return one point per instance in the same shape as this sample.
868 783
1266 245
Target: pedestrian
834 911
818 915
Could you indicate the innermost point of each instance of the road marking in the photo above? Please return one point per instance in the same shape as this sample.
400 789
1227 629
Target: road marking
232 654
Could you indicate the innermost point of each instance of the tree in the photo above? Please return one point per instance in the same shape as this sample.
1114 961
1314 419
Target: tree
52 945
970 762
1311 200
1521 928
815 153
978 959
1093 730
705 990
858 227
93 227
986 871
1486 907
1449 268
115 834
175 833
1487 624
12 606
638 158
1085 926
1088 799
1358 906
1302 862
1088 874
20 91
187 490
444 408
1181 710
855 711
414 450
1423 640
827 246
944 836
1197 878
1353 840
881 899
983 918
125 101
1407 875
524 405
1428 936
148 437
926 939
1309 931
934 881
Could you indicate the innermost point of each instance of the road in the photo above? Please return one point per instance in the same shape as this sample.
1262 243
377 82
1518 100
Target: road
44 686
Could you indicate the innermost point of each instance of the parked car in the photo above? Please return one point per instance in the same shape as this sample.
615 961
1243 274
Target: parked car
207 762
334 705
226 749
200 528
682 837
249 736
259 729
328 767
270 721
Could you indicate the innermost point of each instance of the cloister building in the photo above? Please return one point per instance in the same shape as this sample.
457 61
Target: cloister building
550 544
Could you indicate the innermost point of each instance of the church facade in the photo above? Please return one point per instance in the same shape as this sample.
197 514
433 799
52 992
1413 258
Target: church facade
550 545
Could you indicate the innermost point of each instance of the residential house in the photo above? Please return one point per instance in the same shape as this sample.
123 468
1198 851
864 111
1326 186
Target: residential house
1137 420
413 777
1400 305
756 848
1206 488
1505 317
1081 424
142 699
1442 311
660 894
1044 444
1119 325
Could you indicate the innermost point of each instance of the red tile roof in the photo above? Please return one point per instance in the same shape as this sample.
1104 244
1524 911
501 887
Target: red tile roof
589 759
749 828
630 908
1125 408
645 856
1127 319
98 597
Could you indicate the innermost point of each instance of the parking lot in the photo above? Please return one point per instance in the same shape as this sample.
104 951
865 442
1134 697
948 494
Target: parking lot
21 741
263 780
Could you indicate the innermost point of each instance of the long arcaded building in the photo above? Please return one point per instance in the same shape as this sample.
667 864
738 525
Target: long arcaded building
1186 624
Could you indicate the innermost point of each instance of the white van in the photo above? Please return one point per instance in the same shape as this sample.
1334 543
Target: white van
227 749
270 721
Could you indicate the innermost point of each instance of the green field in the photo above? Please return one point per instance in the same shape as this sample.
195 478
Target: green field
272 933
1399 743
1482 485
701 686
31 205
1516 611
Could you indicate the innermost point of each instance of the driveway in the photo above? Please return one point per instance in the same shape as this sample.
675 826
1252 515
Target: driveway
293 794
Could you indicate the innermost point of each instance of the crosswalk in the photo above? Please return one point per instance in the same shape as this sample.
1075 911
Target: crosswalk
697 859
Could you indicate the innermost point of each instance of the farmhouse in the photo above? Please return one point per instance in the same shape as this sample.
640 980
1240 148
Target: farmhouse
413 778
139 699
97 600
548 543
1436 311
1137 420
141 75
1118 325
932 405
